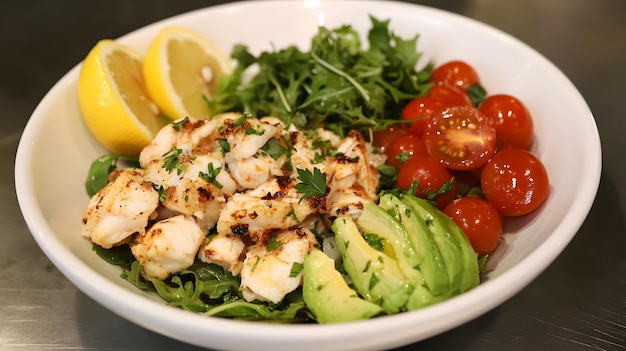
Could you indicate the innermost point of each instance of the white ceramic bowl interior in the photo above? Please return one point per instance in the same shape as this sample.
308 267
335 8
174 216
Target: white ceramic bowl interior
56 150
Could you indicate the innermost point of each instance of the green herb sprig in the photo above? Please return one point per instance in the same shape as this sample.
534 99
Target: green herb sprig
311 183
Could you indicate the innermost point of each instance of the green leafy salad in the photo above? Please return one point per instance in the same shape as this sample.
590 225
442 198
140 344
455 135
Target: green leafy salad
401 254
336 84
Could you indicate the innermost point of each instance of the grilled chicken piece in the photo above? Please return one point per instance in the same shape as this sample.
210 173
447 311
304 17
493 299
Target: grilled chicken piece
272 270
258 212
168 246
224 250
120 209
352 177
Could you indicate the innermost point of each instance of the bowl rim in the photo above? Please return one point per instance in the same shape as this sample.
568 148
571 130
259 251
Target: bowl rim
138 309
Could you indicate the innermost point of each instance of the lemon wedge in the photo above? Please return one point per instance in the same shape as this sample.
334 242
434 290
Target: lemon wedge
114 101
183 68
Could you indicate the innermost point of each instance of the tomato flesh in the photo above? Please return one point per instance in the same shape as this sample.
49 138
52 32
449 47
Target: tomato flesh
460 138
515 181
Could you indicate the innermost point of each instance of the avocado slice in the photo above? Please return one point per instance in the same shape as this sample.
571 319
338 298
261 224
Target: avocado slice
431 261
374 220
448 244
377 221
471 271
328 296
375 275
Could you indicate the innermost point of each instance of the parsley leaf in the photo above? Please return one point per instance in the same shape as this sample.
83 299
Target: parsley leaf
311 184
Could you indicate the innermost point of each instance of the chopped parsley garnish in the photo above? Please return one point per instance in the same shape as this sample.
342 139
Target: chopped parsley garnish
403 156
374 241
225 146
275 148
292 214
239 121
211 175
319 143
180 124
252 131
319 158
296 268
162 192
273 243
172 160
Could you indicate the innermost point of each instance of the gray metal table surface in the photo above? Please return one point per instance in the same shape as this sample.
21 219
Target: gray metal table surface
578 303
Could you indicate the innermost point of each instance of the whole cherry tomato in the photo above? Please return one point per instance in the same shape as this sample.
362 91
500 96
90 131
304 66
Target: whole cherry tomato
458 74
479 220
404 148
460 137
419 110
511 119
450 96
515 181
434 180
382 138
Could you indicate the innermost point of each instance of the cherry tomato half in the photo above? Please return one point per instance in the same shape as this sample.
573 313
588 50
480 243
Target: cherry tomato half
419 110
404 148
515 181
450 96
432 178
382 138
513 123
460 137
458 74
479 220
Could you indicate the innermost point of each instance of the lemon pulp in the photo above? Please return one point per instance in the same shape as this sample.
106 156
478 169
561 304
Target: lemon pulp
183 69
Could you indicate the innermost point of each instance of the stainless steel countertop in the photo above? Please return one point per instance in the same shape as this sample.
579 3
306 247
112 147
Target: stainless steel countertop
578 303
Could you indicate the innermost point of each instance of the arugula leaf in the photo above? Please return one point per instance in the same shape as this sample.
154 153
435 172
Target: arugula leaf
311 184
256 311
336 83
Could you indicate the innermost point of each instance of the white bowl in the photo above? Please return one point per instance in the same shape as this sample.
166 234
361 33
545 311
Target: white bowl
56 150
